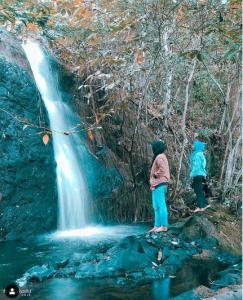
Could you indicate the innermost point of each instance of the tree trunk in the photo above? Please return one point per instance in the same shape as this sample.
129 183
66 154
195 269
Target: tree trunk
183 126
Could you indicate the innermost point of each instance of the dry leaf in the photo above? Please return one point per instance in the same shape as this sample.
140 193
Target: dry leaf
45 139
90 135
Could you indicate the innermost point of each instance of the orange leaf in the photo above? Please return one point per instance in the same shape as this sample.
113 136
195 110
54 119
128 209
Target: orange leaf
90 135
45 139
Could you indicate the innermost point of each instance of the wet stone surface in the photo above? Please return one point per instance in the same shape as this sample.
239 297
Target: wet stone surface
144 264
134 257
27 167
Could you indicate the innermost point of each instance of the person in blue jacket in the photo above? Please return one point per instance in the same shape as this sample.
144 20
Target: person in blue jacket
198 174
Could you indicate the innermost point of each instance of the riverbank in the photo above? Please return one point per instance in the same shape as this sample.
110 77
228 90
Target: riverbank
192 255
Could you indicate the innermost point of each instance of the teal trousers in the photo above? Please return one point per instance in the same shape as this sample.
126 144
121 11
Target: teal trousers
159 206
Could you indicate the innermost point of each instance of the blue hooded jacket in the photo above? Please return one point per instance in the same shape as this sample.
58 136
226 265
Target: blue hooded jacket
198 160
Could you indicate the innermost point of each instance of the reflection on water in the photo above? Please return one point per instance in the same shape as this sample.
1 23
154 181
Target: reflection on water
161 289
72 289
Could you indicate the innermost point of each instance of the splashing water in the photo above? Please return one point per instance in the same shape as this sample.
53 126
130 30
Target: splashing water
69 151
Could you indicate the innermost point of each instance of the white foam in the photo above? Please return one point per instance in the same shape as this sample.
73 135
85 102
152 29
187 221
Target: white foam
73 194
98 233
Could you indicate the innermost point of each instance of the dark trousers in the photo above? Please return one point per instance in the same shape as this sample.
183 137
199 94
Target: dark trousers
197 185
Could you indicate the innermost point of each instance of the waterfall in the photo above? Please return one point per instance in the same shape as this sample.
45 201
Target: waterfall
69 150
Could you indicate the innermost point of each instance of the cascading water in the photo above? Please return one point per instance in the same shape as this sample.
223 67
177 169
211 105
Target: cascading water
69 151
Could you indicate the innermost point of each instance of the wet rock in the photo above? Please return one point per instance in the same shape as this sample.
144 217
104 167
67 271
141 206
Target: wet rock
130 254
61 264
151 273
27 168
202 292
229 259
88 268
228 294
206 254
133 256
36 273
233 269
121 281
77 256
195 294
136 275
186 296
66 272
200 230
228 279
104 180
89 256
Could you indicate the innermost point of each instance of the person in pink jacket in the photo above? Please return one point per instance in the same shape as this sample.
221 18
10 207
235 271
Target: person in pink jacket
159 178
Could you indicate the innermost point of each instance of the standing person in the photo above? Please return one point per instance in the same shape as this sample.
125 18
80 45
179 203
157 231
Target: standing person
159 178
198 174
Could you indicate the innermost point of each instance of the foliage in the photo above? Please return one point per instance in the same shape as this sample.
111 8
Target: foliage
142 52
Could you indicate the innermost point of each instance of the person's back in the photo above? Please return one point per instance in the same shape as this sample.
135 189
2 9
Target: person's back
198 173
198 160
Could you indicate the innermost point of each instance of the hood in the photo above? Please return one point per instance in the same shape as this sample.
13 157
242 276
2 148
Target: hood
199 146
158 147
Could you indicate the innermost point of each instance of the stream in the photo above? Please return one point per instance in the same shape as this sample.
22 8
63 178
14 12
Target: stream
17 256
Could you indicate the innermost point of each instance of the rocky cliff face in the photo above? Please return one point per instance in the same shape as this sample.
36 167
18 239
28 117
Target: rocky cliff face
28 196
27 171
